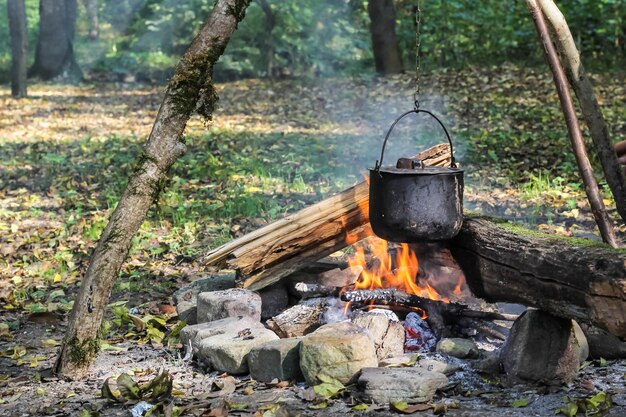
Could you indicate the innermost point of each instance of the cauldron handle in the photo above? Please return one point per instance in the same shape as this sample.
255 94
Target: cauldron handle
416 111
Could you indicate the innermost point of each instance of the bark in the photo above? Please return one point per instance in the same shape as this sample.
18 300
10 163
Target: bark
91 7
586 171
387 55
54 55
268 44
571 278
190 89
592 114
19 46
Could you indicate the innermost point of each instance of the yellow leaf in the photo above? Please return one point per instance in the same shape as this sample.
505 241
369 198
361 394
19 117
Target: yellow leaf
50 343
16 280
41 392
57 278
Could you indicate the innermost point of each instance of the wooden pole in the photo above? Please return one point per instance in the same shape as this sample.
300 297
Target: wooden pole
573 127
570 58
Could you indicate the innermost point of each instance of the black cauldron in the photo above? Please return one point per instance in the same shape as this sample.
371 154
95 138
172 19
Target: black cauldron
414 203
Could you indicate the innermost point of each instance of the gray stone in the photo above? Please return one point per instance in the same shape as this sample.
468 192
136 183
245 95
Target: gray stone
274 299
382 385
234 302
427 364
541 348
187 312
457 347
603 344
388 334
339 350
186 297
225 344
582 341
276 359
488 363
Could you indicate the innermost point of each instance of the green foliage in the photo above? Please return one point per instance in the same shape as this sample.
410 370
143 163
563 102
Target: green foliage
312 37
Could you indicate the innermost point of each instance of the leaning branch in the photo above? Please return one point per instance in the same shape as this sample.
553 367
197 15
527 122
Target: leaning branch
190 89
570 58
573 127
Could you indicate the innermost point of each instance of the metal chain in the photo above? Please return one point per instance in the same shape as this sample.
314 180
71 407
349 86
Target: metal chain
418 59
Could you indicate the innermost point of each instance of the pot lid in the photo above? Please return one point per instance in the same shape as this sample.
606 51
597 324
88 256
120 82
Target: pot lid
418 171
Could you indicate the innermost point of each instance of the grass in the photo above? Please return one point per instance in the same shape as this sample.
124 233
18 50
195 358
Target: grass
67 153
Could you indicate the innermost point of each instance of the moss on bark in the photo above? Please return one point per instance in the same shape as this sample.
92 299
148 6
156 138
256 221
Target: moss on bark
82 353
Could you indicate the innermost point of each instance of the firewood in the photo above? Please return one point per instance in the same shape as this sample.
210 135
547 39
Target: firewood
308 290
571 278
272 252
298 320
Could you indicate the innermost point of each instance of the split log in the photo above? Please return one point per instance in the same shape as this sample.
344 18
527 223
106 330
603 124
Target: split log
266 255
572 278
298 320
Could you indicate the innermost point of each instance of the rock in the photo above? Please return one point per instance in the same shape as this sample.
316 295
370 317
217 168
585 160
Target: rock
541 348
603 344
457 347
234 302
224 344
274 299
427 364
276 359
383 385
186 297
187 311
489 363
339 350
582 341
388 334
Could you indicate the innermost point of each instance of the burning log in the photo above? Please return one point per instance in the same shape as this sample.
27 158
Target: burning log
571 278
266 255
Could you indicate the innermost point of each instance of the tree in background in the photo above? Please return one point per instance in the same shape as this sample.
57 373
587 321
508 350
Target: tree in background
387 55
91 7
55 47
19 46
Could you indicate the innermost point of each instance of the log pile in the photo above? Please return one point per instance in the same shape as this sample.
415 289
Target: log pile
270 253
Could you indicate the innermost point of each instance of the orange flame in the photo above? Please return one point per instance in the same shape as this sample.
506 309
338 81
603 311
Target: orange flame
383 272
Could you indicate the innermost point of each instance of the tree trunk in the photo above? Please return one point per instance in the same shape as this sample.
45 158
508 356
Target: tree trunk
19 46
268 43
573 128
55 47
190 89
570 278
570 58
387 55
91 7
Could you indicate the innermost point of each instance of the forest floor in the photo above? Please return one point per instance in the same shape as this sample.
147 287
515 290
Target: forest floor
66 153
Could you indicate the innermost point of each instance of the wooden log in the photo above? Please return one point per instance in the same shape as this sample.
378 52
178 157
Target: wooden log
268 254
298 320
572 278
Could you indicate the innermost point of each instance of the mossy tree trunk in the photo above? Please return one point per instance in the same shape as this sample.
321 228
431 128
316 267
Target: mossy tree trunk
190 89
570 58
